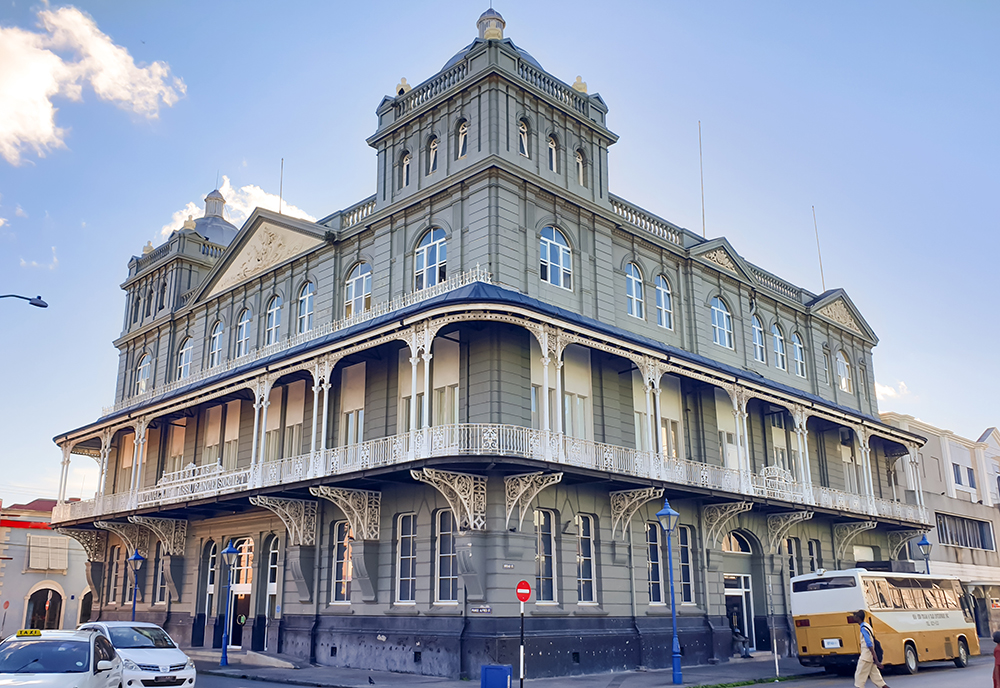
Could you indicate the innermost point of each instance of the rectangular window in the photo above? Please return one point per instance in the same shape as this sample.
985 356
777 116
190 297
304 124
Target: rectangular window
213 435
352 404
826 367
584 559
272 431
815 555
653 569
545 557
536 413
342 564
447 569
48 552
957 472
972 477
964 532
160 580
114 562
792 551
446 405
670 437
684 559
230 451
406 546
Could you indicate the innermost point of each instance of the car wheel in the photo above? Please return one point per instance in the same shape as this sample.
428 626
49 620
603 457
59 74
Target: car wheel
911 664
962 660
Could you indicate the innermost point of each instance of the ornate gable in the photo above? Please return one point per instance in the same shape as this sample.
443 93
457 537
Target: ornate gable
269 245
721 258
839 313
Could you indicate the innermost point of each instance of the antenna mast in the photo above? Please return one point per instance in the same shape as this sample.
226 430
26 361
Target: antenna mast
818 251
281 185
701 166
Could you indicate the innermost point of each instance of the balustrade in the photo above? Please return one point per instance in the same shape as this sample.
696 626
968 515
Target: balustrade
646 221
431 88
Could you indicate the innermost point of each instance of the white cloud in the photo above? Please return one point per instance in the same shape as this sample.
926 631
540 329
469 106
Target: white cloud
888 392
240 204
67 52
3 221
35 264
20 212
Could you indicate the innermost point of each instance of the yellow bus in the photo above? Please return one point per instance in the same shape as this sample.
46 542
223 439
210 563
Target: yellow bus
916 618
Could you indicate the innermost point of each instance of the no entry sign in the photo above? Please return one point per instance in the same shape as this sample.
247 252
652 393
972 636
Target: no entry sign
523 591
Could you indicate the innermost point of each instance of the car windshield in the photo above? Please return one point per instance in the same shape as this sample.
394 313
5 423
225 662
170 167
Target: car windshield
44 657
133 637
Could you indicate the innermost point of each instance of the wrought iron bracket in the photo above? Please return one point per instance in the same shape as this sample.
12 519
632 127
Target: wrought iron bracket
135 537
718 516
466 494
171 532
363 508
521 490
625 503
844 534
899 538
298 515
778 526
93 541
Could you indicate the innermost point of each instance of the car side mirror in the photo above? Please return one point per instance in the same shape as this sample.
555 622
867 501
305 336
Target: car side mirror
104 665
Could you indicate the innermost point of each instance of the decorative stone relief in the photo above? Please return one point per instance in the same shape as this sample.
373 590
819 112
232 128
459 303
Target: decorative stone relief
625 503
521 490
171 532
362 508
844 534
721 258
298 515
778 526
839 313
94 542
718 516
466 494
268 246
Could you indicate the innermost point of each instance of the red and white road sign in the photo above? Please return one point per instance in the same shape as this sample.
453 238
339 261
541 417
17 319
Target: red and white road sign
523 591
6 604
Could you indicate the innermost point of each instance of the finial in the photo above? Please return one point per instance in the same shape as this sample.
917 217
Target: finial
580 85
402 87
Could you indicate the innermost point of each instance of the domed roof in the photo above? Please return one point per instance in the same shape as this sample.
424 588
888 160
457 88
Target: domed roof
460 55
490 14
214 226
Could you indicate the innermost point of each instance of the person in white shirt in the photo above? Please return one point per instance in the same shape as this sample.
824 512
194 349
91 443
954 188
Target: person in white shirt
868 664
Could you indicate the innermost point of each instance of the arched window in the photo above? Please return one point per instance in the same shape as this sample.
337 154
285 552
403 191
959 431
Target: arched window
358 290
522 139
114 573
211 564
734 543
432 155
243 566
463 139
272 324
844 373
633 290
722 324
799 353
447 558
581 168
553 148
759 350
664 305
779 347
243 334
184 359
149 302
215 346
142 374
306 308
429 262
404 170
272 579
136 309
163 296
556 261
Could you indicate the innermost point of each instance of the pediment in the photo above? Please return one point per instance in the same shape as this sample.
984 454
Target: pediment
719 253
839 313
837 307
269 245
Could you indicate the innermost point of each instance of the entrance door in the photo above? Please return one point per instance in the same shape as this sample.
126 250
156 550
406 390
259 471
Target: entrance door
238 618
239 611
739 605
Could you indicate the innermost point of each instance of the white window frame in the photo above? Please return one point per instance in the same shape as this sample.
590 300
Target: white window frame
844 381
522 139
426 273
546 563
272 321
215 345
553 150
799 354
780 360
558 272
159 579
406 541
243 333
273 576
463 139
586 579
581 169
404 172
759 349
446 571
184 358
243 566
793 550
815 549
722 324
654 564
306 307
633 291
685 568
358 290
343 566
115 572
142 371
211 570
664 303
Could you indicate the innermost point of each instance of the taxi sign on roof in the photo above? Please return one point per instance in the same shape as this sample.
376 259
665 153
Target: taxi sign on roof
28 633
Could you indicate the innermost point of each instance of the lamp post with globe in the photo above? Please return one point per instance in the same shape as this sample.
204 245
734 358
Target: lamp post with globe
135 563
925 549
668 521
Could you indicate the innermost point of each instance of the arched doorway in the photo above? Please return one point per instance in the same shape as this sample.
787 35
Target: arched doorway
239 611
86 606
44 609
741 568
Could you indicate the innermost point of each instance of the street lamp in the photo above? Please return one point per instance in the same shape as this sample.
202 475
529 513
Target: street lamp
925 549
37 301
668 521
229 555
135 563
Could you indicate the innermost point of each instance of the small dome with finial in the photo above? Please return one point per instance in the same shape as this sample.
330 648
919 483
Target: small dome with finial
491 25
214 226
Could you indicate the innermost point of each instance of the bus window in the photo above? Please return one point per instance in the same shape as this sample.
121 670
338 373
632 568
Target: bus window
883 594
824 584
871 594
895 596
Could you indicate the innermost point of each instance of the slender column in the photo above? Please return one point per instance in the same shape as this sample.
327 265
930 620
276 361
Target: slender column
264 403
983 486
316 388
102 470
650 436
256 429
657 433
414 362
326 406
560 404
64 473
546 425
135 462
805 461
917 484
427 388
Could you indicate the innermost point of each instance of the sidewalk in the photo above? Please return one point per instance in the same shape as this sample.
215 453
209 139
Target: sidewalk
761 666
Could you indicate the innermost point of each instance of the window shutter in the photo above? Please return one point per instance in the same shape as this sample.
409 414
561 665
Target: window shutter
58 553
38 553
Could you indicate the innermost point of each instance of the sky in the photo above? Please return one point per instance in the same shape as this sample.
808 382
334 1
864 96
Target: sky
116 119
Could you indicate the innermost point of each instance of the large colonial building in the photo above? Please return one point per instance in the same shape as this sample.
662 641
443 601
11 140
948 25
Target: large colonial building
492 369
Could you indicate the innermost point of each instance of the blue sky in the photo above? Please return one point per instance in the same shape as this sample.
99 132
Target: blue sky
882 115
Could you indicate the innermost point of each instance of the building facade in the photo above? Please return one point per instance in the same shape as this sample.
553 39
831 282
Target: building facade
42 580
493 369
961 484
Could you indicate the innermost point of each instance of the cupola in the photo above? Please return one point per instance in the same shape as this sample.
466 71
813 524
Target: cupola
491 25
213 204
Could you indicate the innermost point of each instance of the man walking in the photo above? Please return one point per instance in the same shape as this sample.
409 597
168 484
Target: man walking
868 664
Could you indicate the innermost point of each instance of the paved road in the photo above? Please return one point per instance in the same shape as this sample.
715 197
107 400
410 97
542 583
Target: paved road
942 675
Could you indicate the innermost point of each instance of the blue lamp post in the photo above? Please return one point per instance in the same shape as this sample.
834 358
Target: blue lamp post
229 555
668 521
925 549
135 563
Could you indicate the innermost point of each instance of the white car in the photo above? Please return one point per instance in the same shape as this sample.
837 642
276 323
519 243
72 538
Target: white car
150 659
59 659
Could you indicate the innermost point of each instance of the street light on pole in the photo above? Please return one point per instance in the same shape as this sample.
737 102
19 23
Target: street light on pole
135 563
229 555
925 549
37 301
668 521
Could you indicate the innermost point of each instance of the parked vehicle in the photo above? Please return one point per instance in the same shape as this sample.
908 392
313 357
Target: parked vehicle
150 658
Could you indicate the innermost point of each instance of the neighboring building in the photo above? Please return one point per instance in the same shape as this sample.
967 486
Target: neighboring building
491 370
960 479
42 579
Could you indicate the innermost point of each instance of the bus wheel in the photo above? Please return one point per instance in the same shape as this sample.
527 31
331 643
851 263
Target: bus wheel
963 654
910 658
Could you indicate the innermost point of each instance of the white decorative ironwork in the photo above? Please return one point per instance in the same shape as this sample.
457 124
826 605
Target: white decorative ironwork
778 526
899 538
136 539
298 515
94 542
466 494
521 490
625 503
171 532
844 534
362 508
718 516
